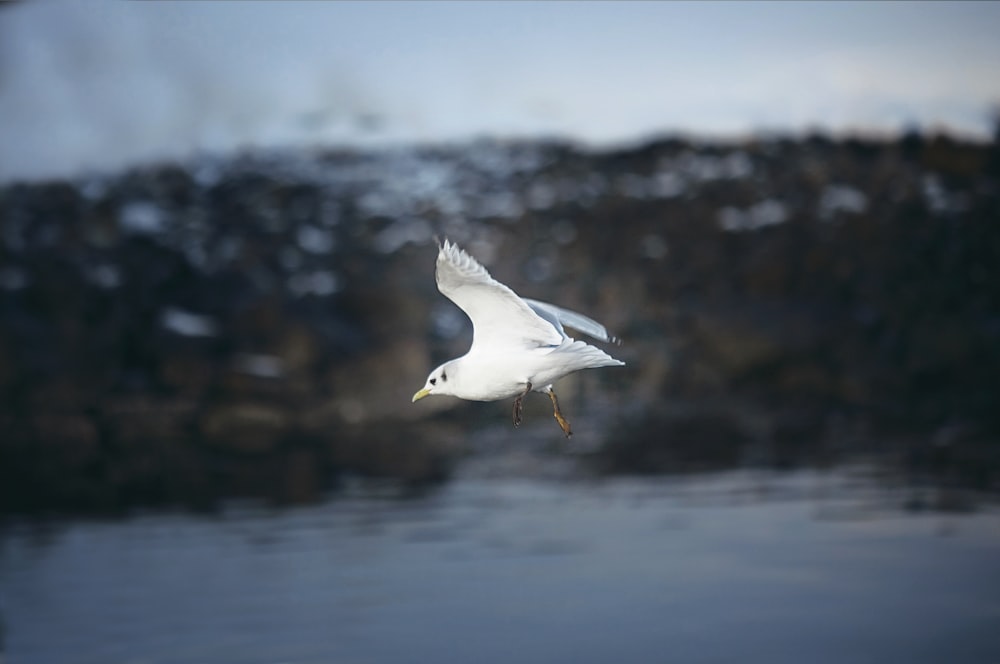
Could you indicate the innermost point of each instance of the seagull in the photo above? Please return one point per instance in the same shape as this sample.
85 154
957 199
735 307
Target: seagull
518 345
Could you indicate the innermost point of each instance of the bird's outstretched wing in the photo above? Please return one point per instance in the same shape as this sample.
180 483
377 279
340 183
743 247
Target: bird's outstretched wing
500 318
559 317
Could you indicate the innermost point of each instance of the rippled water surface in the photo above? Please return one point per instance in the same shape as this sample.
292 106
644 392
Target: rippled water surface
732 568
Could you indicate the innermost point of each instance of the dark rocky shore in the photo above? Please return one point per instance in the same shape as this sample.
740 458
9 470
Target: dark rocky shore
256 326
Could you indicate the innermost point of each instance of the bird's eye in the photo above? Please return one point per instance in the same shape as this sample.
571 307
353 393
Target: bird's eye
434 381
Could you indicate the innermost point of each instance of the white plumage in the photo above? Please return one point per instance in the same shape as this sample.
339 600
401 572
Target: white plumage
518 345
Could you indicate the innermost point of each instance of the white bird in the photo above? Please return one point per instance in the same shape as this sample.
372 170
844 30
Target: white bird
518 345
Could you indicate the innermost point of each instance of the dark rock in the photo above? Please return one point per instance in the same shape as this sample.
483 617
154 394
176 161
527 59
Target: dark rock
660 442
134 421
171 337
394 450
246 427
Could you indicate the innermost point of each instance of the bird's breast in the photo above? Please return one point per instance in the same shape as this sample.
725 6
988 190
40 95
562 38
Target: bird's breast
494 377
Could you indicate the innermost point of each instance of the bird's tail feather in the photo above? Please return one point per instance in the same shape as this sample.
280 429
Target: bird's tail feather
586 356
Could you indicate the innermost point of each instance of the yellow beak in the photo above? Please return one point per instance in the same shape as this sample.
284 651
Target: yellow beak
420 395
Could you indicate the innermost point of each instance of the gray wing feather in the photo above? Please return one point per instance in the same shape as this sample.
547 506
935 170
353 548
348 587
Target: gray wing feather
559 317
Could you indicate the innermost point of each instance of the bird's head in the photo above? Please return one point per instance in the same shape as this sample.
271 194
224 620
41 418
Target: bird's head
437 382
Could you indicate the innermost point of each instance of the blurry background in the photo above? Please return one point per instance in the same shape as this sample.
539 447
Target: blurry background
217 228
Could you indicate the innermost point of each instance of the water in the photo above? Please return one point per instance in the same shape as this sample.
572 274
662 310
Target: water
731 568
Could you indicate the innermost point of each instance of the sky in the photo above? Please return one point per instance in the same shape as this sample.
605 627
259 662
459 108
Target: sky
100 86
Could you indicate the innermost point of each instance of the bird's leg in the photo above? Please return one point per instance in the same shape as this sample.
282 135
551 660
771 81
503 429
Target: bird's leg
556 413
517 405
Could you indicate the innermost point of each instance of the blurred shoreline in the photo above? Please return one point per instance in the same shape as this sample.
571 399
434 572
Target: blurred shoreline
181 334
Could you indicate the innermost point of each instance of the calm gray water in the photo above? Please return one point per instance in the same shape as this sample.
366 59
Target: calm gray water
732 568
